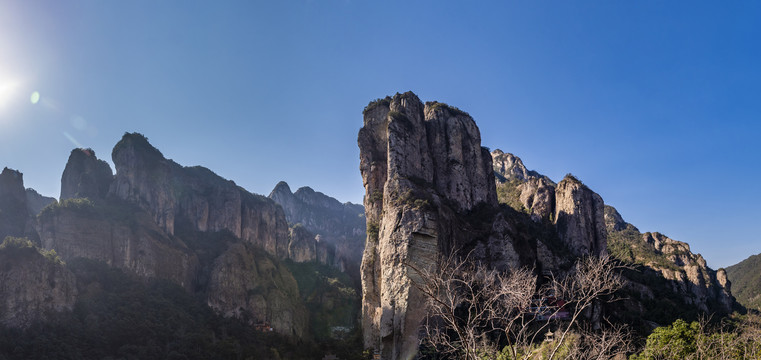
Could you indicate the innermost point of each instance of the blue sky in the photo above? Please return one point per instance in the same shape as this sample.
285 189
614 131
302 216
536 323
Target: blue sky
655 105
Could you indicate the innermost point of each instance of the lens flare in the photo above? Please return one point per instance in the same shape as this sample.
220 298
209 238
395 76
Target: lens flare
35 97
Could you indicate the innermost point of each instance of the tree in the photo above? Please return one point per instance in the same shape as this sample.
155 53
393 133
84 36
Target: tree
474 311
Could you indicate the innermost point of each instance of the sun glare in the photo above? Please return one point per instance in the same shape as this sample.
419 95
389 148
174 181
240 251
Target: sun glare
8 92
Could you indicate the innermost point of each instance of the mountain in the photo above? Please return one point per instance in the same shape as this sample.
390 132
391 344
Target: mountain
157 220
432 191
338 227
746 281
689 282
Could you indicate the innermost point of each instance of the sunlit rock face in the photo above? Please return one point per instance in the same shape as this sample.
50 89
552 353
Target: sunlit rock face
580 218
85 176
424 171
32 287
208 202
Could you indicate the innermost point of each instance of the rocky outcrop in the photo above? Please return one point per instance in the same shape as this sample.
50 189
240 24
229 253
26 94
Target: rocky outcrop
246 281
537 195
340 227
16 219
509 167
689 273
120 235
580 218
424 171
690 279
32 286
85 176
36 202
523 189
208 202
302 246
613 220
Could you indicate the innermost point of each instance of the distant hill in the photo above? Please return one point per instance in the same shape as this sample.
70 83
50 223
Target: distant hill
746 281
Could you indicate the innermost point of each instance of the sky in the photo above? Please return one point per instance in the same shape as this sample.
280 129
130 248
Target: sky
655 105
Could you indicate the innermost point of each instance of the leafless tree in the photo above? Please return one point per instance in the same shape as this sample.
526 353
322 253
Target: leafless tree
593 280
472 309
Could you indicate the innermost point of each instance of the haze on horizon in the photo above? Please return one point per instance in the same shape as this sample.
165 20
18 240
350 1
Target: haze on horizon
653 105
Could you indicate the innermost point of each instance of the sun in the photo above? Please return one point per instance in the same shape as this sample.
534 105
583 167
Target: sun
9 92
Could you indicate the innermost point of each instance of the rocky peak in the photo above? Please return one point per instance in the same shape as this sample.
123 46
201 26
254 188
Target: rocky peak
85 176
36 202
424 170
691 280
579 218
340 227
508 166
14 214
613 219
196 195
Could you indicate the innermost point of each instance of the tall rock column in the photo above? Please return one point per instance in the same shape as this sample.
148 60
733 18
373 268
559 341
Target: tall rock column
580 218
422 168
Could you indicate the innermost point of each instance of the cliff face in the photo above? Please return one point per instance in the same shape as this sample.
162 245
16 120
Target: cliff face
247 281
32 285
580 218
340 227
85 176
688 275
119 235
208 202
36 202
16 216
424 170
586 226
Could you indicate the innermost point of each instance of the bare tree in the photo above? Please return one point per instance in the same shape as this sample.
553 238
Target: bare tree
473 310
593 280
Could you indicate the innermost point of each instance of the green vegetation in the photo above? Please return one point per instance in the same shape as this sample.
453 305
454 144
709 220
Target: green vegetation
377 102
332 301
509 194
376 196
372 231
737 338
628 246
453 110
746 281
415 199
121 316
13 245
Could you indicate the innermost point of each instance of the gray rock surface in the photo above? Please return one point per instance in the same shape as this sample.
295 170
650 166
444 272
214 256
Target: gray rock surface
85 176
32 287
36 202
580 218
121 236
208 202
424 170
247 281
340 227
